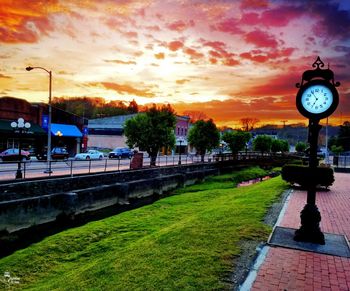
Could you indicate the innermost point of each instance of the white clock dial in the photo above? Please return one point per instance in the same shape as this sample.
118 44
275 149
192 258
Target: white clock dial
317 99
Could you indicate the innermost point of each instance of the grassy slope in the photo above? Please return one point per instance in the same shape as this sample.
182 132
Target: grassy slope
186 241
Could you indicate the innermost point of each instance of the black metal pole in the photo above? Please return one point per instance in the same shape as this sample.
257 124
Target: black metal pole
180 141
19 170
310 216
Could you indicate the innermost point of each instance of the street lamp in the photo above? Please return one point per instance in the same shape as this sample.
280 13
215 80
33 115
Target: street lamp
180 141
49 119
20 126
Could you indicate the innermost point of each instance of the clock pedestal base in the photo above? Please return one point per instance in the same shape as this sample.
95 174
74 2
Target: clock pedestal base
310 226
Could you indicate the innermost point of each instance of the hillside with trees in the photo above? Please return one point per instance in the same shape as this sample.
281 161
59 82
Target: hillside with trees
94 107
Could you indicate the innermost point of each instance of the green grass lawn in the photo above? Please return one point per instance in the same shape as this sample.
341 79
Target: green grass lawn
185 241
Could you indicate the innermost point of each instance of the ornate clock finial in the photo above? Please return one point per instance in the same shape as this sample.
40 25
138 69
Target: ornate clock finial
317 73
318 63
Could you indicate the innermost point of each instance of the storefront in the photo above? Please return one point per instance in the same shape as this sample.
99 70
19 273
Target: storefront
68 136
65 127
30 139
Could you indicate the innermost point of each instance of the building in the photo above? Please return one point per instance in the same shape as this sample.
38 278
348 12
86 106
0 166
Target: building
10 110
66 128
108 132
181 132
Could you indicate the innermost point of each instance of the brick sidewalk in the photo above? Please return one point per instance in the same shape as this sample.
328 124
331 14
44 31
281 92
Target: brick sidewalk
288 269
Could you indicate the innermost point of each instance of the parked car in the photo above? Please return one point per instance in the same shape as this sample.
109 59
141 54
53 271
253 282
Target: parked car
89 155
57 153
13 155
120 153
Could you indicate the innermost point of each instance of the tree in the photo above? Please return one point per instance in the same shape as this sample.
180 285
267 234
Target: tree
248 123
337 150
284 146
344 136
204 136
262 143
279 145
133 107
94 107
236 140
151 130
300 147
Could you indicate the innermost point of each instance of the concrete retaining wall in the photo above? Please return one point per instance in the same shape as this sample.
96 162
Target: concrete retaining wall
29 203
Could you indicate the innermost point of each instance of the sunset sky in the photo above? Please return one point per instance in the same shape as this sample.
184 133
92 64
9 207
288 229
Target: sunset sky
229 59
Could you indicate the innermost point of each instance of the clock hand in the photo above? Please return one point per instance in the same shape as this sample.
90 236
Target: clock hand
315 100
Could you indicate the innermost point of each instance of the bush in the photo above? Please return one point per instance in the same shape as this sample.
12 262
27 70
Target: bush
305 177
295 162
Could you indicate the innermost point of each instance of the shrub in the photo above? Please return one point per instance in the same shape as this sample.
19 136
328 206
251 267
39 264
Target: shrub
300 147
305 177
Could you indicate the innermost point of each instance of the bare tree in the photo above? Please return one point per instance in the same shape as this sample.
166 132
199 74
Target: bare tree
195 115
248 123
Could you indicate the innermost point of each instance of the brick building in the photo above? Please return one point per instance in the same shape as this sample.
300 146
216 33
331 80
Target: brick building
66 129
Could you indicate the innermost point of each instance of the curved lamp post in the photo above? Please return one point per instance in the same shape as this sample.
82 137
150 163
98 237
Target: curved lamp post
49 119
20 126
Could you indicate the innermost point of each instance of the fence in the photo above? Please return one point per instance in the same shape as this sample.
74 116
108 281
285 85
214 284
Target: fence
36 169
341 161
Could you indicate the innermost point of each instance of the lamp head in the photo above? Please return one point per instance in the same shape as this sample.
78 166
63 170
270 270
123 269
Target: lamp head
29 68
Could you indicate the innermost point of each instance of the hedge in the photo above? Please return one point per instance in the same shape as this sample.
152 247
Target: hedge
302 175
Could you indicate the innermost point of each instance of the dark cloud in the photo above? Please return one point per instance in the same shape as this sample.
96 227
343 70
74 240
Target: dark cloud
334 22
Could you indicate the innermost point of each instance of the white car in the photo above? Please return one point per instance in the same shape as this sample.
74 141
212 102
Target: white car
89 155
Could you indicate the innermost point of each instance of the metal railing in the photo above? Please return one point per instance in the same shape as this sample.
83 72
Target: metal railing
36 169
340 161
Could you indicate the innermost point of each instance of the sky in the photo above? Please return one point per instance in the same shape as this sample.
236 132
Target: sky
229 59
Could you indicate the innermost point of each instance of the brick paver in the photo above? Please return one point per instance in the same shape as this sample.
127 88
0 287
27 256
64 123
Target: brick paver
287 269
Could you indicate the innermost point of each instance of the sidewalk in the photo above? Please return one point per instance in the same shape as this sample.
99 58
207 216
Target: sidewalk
289 269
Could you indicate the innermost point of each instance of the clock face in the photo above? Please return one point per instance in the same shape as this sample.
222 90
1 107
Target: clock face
317 99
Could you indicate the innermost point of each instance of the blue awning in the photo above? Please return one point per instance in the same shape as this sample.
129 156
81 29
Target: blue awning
65 130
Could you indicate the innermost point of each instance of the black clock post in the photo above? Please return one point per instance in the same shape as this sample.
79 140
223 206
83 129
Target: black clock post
317 98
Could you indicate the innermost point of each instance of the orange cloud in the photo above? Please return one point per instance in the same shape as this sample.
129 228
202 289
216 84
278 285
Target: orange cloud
159 56
24 21
175 45
2 76
131 34
121 62
182 81
231 62
124 89
224 112
193 53
218 50
180 25
153 28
